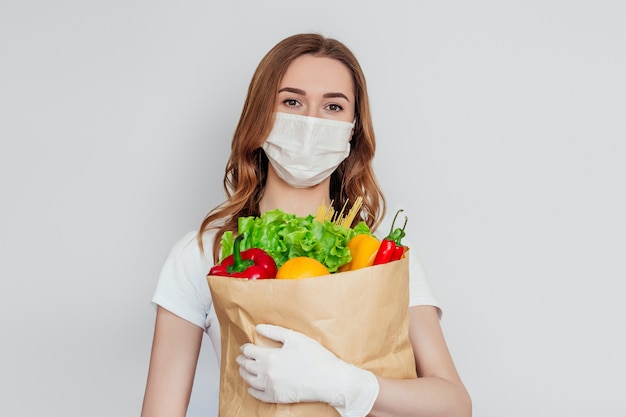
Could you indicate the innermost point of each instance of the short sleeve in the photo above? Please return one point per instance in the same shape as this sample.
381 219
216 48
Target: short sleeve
420 290
182 287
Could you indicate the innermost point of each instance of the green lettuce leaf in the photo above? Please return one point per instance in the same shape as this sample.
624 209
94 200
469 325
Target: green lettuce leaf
285 236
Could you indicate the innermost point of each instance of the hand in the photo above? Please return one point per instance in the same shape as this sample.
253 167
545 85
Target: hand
302 370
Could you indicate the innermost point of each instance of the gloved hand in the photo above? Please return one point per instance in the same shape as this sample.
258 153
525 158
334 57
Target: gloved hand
302 370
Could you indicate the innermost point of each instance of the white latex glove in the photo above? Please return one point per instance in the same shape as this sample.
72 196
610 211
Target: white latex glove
302 370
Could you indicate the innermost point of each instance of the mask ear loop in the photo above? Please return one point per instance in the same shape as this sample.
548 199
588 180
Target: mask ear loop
353 129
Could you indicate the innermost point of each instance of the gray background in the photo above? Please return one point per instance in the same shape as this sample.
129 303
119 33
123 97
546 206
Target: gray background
501 129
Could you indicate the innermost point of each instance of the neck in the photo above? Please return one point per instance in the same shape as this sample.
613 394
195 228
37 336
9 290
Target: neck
299 201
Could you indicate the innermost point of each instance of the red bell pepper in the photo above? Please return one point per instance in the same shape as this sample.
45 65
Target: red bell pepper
253 263
391 248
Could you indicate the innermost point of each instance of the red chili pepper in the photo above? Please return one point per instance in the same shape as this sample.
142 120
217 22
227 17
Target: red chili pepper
391 248
385 250
253 263
398 252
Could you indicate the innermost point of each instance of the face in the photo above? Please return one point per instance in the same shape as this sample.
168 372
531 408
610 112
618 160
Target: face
317 87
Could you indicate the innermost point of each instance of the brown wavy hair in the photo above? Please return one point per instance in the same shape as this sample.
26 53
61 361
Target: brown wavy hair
246 170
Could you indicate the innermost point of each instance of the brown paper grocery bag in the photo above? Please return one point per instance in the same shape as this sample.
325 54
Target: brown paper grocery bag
361 316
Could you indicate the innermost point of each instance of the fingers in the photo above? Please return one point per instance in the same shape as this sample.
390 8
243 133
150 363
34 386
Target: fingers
271 331
247 364
252 351
257 363
252 360
251 372
258 394
253 363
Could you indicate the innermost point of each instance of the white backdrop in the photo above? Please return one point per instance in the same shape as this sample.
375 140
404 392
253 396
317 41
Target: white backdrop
501 129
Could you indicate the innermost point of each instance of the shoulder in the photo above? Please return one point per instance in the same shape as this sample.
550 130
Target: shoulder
182 287
187 251
188 245
421 292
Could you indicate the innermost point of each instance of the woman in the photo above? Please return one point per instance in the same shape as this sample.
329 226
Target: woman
305 84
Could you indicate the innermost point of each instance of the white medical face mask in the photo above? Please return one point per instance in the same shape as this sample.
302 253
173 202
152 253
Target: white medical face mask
304 150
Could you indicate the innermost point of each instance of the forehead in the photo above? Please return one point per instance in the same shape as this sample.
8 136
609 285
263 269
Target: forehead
314 73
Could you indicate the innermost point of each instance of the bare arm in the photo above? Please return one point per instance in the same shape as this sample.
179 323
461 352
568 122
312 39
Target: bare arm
438 390
175 351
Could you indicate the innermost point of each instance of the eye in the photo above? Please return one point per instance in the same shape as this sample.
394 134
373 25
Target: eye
291 102
334 107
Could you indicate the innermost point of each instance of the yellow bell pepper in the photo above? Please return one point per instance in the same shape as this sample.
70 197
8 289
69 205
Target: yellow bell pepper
363 249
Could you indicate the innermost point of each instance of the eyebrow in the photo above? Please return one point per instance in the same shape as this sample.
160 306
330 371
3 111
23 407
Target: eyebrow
303 93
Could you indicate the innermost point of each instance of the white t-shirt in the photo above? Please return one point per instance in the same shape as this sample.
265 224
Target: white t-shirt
183 289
